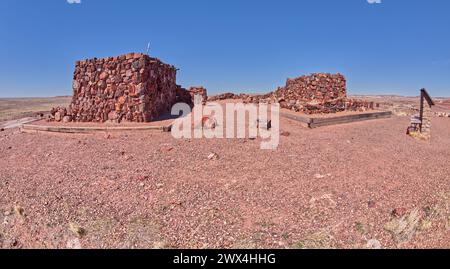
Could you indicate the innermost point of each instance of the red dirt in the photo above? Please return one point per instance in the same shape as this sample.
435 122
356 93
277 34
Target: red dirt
332 187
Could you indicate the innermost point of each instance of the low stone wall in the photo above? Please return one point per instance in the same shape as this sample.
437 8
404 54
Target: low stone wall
199 90
138 88
314 94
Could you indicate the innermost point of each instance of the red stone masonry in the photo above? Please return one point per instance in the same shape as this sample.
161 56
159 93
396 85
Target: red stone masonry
138 88
319 93
199 90
132 87
316 87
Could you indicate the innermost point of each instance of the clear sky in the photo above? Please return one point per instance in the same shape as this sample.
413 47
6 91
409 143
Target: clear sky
394 47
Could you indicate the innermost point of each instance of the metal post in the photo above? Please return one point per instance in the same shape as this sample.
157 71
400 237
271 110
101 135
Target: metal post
421 108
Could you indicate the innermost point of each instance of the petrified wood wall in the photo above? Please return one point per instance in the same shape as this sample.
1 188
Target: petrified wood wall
132 87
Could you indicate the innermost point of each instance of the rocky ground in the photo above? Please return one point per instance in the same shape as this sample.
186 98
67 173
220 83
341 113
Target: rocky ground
359 185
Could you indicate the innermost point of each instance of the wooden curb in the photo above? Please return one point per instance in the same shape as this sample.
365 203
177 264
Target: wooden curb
319 122
30 128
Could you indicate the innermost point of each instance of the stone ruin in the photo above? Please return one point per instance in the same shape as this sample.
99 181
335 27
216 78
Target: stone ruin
319 93
313 94
138 88
131 88
199 90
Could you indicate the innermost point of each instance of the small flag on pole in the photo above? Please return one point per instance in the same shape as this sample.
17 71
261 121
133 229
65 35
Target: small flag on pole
148 47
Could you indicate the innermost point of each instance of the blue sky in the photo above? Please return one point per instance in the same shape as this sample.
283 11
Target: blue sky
395 47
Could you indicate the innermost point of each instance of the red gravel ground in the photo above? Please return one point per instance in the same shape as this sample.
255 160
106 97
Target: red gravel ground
332 187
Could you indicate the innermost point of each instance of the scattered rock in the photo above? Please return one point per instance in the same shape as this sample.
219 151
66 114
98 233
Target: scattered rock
371 204
19 211
76 230
224 96
176 203
167 149
142 178
442 114
374 244
285 133
213 156
73 244
58 116
12 243
209 123
320 176
2 129
67 119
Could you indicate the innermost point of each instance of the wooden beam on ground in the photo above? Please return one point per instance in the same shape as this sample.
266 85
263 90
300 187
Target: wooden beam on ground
302 119
30 128
320 122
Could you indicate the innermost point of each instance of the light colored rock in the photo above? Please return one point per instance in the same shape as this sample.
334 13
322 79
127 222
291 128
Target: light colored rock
58 116
67 119
213 156
74 244
112 116
374 244
209 123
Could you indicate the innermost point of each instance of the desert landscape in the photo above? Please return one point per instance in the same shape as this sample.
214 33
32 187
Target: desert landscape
204 133
356 185
18 108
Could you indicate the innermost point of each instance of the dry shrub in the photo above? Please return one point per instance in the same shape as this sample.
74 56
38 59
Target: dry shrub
319 240
403 229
